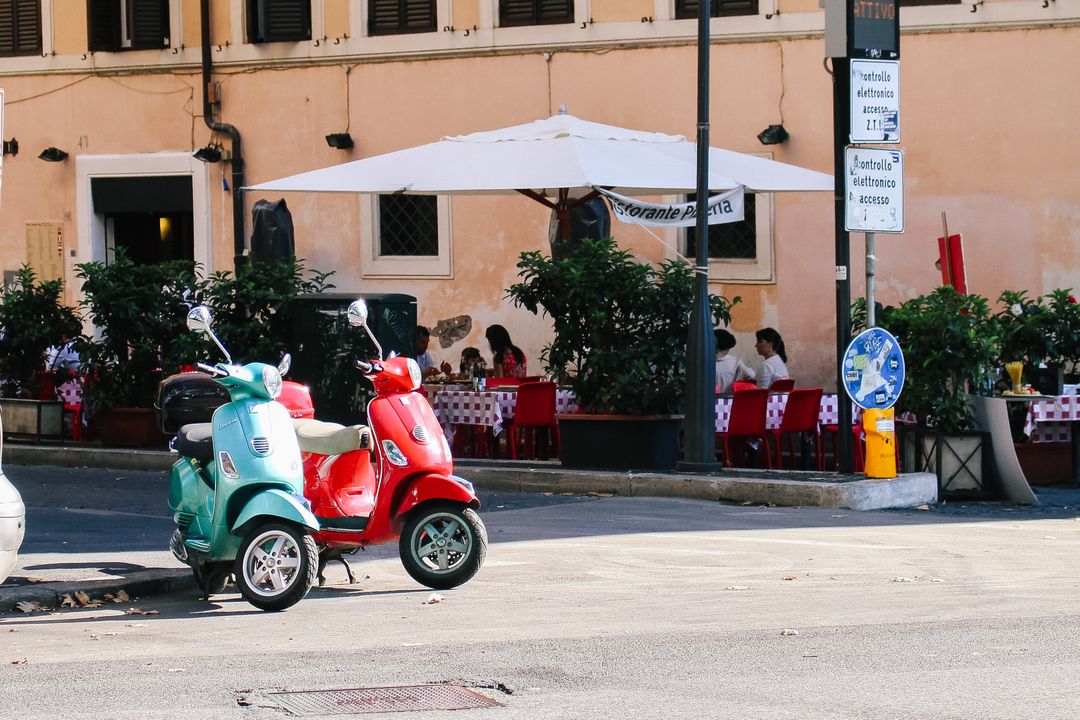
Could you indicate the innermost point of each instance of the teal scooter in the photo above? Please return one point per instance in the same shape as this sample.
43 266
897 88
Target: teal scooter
236 492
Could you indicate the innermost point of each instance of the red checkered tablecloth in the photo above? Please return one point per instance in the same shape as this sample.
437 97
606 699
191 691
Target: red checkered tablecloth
1048 419
829 414
488 407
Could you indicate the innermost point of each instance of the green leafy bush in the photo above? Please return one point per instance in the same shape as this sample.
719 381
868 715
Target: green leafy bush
620 326
33 318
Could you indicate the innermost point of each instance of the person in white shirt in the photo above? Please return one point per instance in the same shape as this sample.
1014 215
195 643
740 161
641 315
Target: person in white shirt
729 368
770 346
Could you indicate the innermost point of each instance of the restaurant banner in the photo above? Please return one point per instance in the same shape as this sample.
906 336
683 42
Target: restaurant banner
724 208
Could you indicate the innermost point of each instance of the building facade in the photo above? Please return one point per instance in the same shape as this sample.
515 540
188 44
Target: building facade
114 89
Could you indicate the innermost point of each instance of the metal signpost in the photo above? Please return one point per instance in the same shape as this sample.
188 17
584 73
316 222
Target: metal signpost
862 38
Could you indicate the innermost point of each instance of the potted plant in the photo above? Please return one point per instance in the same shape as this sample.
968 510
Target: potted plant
33 318
139 312
620 329
1024 327
950 345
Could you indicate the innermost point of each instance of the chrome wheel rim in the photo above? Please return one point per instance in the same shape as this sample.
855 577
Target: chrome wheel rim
272 563
441 542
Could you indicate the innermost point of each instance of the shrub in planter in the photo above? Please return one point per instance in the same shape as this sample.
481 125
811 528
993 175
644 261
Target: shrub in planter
140 313
252 310
33 318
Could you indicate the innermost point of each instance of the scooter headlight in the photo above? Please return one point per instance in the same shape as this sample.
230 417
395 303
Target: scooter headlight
414 373
272 381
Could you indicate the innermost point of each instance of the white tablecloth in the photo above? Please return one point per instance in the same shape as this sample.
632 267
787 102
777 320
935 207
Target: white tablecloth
489 407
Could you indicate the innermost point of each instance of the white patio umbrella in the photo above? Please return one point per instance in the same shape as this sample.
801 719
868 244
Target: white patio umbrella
547 158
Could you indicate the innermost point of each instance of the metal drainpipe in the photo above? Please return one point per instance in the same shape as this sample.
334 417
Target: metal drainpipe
239 245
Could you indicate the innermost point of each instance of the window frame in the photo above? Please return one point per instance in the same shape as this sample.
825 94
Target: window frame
373 264
760 270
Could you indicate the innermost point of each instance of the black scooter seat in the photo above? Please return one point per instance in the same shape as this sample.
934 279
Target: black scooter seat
197 441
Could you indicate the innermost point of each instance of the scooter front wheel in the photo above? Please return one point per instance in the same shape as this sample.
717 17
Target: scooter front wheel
443 545
276 566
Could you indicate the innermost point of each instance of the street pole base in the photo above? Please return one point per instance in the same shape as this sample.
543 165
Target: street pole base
709 466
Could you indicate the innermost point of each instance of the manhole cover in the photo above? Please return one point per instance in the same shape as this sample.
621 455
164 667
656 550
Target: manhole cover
355 701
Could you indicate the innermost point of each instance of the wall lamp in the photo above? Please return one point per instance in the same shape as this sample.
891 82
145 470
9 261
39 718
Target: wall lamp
208 154
773 135
340 141
51 154
11 147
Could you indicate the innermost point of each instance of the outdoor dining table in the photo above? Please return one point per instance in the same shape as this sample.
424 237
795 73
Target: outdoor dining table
1056 418
490 408
828 414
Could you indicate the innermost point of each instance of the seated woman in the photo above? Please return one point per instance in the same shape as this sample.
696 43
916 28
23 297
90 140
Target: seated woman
770 346
729 368
507 358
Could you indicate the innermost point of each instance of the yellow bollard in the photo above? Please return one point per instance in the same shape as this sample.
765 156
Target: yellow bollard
880 430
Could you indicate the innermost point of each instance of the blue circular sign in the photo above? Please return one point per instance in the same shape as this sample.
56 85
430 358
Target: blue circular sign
874 369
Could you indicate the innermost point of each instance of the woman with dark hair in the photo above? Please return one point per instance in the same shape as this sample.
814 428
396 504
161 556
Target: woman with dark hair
729 368
507 358
770 346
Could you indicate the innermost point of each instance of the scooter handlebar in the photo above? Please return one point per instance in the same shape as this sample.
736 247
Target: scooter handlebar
365 367
216 372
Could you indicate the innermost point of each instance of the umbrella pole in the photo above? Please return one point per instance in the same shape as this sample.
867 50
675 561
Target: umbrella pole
699 429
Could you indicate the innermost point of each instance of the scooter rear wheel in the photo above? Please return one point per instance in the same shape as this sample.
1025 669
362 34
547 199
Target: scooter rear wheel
443 545
276 566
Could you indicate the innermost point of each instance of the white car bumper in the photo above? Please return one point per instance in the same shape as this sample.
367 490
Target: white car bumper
12 526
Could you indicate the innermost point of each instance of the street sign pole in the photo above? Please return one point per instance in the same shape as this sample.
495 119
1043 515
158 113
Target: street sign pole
870 260
841 75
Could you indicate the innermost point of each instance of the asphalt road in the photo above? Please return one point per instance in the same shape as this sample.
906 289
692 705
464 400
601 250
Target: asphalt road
593 608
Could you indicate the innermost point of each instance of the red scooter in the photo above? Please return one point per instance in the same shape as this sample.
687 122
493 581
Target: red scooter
409 493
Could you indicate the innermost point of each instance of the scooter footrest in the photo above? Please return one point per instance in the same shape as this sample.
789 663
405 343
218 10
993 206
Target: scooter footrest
197 544
349 524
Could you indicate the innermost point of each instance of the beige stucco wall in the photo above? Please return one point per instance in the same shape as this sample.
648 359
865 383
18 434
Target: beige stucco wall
985 140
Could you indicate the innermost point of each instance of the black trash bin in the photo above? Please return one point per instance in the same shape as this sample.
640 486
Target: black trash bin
326 348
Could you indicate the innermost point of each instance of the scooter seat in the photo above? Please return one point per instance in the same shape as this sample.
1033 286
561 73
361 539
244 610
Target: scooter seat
197 440
327 438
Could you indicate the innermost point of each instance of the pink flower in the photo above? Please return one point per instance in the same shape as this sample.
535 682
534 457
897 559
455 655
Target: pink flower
1071 299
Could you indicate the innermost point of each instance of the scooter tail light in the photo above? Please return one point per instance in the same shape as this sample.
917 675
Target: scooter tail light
228 467
394 454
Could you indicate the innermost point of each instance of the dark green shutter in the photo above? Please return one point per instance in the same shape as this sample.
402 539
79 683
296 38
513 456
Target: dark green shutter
279 20
150 24
387 17
103 19
535 12
20 27
685 9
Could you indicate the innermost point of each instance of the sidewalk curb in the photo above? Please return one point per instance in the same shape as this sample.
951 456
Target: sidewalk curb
139 584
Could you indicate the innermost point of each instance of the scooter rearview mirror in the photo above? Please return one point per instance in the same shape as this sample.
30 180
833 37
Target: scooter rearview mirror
285 364
358 313
199 319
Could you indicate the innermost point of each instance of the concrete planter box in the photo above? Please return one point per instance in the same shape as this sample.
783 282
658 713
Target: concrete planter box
960 460
39 418
619 442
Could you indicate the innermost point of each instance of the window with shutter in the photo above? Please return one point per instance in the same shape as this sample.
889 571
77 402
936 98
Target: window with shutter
718 8
20 27
278 20
391 17
535 12
115 25
729 241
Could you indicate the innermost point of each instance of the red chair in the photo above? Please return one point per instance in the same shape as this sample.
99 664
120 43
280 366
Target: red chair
833 431
782 385
800 416
535 410
747 420
740 385
498 382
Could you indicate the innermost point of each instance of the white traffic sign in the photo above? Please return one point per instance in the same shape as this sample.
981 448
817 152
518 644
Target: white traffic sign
874 182
875 101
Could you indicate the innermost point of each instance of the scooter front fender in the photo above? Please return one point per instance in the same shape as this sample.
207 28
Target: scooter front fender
275 504
432 486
